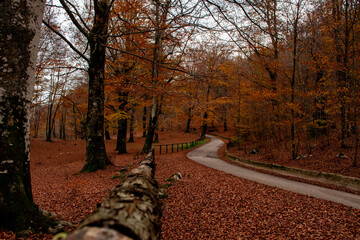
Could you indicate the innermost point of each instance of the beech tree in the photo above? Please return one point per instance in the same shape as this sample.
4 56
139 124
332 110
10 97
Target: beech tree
171 20
96 35
20 23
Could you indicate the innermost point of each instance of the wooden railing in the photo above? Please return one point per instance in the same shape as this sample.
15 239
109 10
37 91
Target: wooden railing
175 147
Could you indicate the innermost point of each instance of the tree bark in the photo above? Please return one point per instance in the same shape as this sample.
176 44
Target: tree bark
161 12
132 211
131 129
96 157
204 127
20 24
121 136
62 127
107 133
151 127
122 123
188 121
225 119
144 122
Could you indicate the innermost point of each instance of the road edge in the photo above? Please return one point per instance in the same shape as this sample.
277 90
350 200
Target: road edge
323 177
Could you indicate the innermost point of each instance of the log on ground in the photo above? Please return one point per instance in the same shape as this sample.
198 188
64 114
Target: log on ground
133 209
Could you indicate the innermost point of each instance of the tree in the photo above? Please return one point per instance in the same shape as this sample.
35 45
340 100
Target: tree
96 37
170 22
20 23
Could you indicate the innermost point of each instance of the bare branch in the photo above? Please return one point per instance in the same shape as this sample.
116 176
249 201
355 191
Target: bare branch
66 40
73 19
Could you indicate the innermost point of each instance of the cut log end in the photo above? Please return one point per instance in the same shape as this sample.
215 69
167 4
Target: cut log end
96 233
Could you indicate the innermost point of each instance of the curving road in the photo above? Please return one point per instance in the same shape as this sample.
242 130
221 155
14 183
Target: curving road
207 155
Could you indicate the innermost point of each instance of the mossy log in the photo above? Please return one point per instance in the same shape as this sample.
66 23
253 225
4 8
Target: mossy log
132 211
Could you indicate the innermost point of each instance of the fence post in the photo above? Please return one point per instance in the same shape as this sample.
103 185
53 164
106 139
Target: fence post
160 149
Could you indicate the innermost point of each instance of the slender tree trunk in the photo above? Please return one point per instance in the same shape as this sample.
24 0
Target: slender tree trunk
75 124
37 118
121 136
144 122
225 118
20 24
122 123
62 125
356 132
161 11
131 129
156 138
152 126
355 95
293 81
204 126
107 132
96 157
53 129
49 126
188 121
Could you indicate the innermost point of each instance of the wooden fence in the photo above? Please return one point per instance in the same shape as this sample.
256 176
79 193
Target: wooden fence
175 147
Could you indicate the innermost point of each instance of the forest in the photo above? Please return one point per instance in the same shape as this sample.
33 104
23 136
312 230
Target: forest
275 72
268 74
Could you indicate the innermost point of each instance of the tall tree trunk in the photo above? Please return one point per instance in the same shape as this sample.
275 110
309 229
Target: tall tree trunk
62 125
161 11
156 138
122 123
121 136
225 119
96 157
107 132
75 124
204 126
53 129
342 56
144 122
152 126
293 81
205 119
356 132
49 126
20 24
37 118
188 121
131 129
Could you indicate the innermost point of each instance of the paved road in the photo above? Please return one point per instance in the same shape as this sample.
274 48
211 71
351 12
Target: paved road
207 155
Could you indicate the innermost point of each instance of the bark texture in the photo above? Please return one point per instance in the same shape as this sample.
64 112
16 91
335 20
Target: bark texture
132 211
96 157
122 123
20 23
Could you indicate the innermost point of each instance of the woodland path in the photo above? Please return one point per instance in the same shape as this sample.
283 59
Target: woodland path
207 155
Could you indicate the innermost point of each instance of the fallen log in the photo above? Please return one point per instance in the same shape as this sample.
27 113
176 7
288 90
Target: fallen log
133 209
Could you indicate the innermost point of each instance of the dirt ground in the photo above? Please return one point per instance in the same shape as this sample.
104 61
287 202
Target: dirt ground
207 204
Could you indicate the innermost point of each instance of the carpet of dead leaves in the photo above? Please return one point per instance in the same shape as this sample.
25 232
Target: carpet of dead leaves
206 204
321 154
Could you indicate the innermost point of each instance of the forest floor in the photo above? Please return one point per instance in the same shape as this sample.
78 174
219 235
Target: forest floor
206 204
320 154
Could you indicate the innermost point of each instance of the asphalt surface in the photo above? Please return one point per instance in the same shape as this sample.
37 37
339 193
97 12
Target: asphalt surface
207 155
